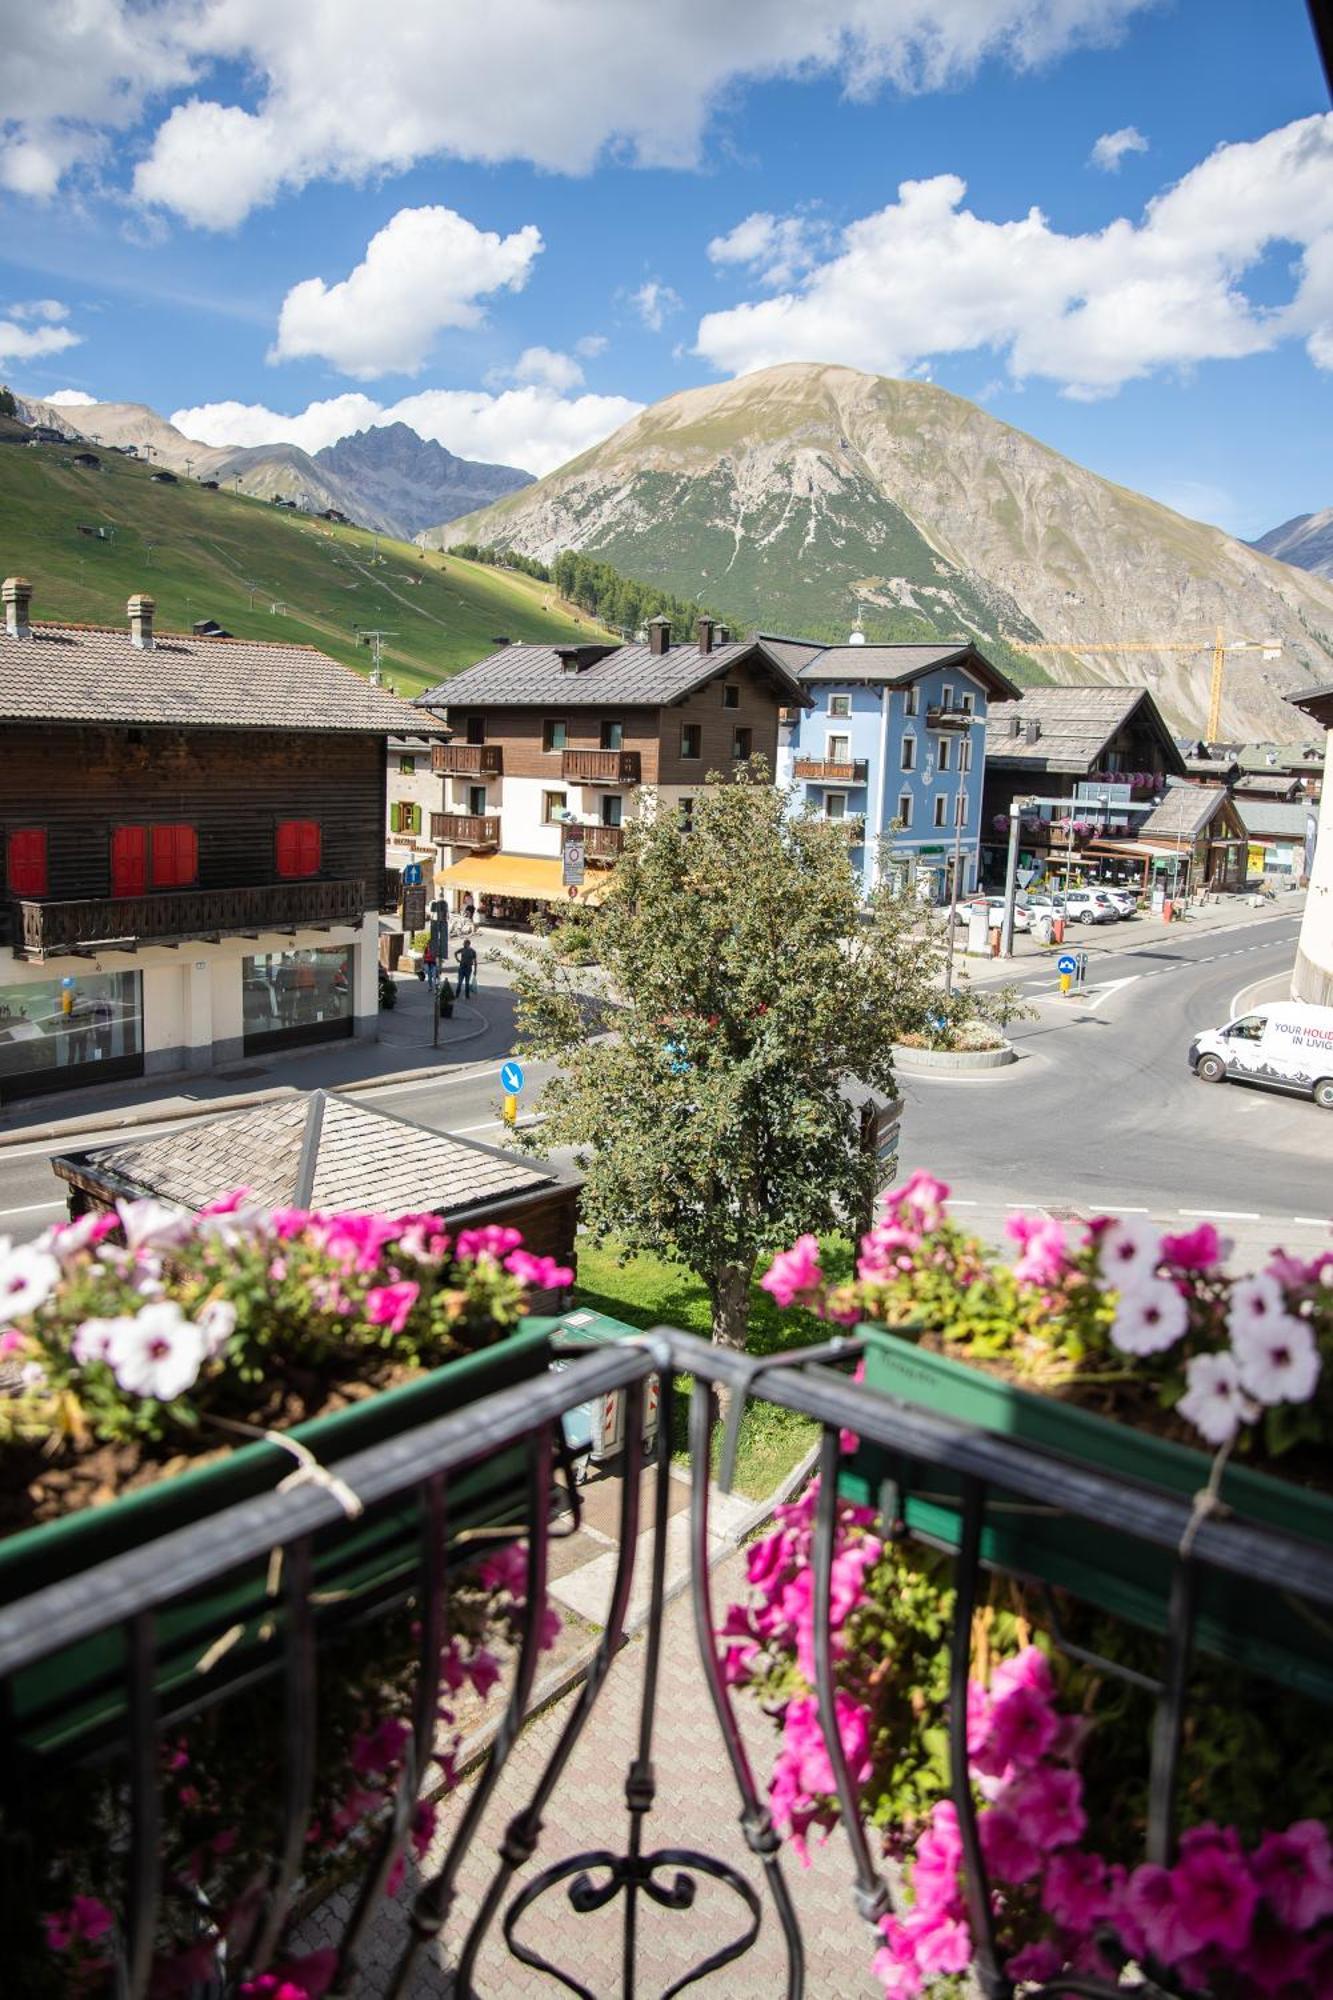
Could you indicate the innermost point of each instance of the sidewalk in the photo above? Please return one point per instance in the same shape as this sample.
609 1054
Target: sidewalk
481 1029
1144 931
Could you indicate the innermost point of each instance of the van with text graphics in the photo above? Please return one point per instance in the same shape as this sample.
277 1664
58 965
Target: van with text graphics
1286 1045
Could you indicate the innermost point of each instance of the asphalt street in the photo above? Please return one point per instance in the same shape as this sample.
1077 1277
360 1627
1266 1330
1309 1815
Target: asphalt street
1100 1112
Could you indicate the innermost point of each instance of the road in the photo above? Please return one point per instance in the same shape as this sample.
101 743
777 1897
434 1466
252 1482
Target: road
1100 1113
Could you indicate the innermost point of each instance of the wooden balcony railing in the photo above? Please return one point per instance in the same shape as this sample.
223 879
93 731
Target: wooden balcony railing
950 718
466 829
603 843
46 930
600 767
467 760
831 770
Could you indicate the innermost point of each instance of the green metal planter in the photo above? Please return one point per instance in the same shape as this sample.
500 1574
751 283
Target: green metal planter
73 1698
1258 1630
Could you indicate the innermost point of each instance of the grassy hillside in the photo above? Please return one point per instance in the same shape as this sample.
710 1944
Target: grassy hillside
218 555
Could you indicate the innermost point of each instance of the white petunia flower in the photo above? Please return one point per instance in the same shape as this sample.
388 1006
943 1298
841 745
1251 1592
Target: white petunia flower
1129 1252
28 1276
93 1341
1150 1317
217 1323
156 1223
158 1353
1255 1303
1278 1360
1215 1402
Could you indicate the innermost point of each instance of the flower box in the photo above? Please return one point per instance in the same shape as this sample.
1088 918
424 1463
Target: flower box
78 1695
1238 1621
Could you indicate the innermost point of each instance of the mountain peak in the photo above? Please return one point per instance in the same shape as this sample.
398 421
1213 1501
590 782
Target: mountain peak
413 480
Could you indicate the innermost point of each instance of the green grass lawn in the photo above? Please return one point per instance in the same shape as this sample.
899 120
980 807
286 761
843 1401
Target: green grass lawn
263 572
648 1291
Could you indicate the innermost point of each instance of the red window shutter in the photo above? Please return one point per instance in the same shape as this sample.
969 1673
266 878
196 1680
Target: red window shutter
25 861
298 847
175 856
286 847
129 860
310 846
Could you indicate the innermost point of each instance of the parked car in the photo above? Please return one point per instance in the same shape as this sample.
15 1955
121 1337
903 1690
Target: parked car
1022 914
1125 900
1048 901
1090 906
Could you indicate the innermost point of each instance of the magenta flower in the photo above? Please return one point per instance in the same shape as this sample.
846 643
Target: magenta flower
1022 1726
803 1738
1011 1856
887 1250
1048 1804
794 1275
1198 1249
540 1274
84 1922
483 1670
1029 1668
506 1570
494 1240
1294 1871
1038 1961
424 1816
920 1201
1215 1896
1075 1890
391 1305
941 1944
1045 1253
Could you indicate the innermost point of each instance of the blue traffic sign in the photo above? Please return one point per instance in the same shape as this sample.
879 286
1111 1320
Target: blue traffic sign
1066 963
412 875
511 1078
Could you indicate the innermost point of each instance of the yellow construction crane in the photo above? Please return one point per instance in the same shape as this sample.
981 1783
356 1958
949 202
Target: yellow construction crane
1221 646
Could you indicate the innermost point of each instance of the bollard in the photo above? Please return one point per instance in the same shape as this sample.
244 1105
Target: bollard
510 1109
1066 981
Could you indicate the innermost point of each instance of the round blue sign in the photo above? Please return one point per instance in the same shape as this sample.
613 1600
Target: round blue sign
1066 963
511 1078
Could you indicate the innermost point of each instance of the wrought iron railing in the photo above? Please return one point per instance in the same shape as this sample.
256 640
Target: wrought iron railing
131 1597
48 929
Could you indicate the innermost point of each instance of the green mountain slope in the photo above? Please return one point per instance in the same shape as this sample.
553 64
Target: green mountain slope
792 495
263 572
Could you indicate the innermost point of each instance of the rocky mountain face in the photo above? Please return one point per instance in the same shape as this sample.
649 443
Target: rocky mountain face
412 480
388 479
789 497
1306 541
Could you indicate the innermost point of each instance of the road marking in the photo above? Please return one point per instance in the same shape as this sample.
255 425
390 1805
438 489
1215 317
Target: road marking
1121 1208
1314 1221
36 1208
1225 1214
956 1201
1100 993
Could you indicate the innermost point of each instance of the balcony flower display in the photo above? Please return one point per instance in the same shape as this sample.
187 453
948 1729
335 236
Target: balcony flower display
137 1340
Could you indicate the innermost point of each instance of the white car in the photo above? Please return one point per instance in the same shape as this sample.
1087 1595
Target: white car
1022 913
1090 906
1126 902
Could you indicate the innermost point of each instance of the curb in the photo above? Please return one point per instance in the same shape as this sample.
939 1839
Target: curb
952 1062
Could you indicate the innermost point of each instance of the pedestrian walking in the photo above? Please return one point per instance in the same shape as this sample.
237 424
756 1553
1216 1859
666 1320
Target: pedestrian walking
467 969
432 965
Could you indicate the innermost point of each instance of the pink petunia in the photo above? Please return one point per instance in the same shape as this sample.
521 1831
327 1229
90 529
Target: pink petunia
493 1239
1038 1961
507 1570
1022 1726
921 1200
1294 1871
1048 1804
794 1276
1075 1891
540 1274
483 1670
1215 1896
1045 1253
391 1305
941 1944
1011 1856
1198 1249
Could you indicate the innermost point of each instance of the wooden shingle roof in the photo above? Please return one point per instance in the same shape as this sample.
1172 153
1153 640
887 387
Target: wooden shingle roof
322 1151
621 676
1074 725
94 674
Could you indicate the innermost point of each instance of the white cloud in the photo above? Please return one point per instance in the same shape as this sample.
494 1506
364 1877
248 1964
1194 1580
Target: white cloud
532 427
1111 148
545 365
654 302
70 399
776 249
330 92
47 309
30 343
927 276
591 345
428 268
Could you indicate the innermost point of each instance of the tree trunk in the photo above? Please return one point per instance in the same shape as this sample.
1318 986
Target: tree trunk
730 1294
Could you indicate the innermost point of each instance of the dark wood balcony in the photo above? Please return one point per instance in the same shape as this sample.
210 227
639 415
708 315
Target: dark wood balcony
467 760
466 829
602 843
957 719
48 930
600 767
831 770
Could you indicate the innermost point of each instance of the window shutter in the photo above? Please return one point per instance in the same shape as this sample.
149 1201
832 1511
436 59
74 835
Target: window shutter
396 817
298 847
414 822
25 861
175 853
310 844
129 860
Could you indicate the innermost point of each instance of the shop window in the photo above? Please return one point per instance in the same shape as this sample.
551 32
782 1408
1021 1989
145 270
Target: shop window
555 805
731 697
298 846
555 734
25 861
741 745
59 1033
175 856
129 860
613 734
288 997
691 739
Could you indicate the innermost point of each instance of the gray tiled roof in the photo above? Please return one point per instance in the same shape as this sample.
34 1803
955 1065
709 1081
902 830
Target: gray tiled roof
1279 756
87 673
1184 812
1274 816
901 663
1270 785
626 677
1316 702
1076 725
367 1160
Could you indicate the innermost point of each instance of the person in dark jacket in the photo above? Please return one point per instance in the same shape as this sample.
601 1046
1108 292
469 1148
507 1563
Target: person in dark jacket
467 969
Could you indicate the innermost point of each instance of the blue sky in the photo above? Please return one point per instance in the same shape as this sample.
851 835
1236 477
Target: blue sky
513 228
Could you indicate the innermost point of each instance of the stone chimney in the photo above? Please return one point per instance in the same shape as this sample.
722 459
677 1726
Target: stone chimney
659 634
141 609
704 628
17 594
1033 731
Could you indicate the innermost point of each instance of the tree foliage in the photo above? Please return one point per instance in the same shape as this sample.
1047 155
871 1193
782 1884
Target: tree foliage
619 601
8 407
745 986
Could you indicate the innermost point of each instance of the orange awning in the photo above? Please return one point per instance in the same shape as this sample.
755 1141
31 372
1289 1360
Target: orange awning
534 877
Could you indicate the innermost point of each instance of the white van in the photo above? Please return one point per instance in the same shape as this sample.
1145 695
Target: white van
1284 1046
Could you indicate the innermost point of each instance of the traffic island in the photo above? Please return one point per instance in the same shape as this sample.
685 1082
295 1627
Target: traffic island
964 1061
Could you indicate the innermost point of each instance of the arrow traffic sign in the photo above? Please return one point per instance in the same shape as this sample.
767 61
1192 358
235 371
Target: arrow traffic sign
511 1078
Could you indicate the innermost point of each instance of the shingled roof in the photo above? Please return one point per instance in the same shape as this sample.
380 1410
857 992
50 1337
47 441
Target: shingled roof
321 1151
1183 813
896 663
1074 725
1275 816
522 676
94 674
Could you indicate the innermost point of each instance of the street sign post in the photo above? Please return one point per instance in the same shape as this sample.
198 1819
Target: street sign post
414 908
412 875
1066 962
573 862
511 1078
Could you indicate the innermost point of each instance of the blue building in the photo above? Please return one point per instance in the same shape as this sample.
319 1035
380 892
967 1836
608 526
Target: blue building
894 745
